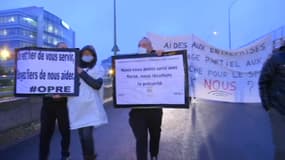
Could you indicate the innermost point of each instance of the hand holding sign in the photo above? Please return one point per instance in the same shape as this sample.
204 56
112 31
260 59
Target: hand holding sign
79 70
159 52
56 96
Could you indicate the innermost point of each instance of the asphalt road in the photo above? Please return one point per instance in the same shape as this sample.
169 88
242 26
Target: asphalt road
206 131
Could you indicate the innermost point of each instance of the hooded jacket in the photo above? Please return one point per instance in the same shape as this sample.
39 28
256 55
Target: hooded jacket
272 82
94 83
87 108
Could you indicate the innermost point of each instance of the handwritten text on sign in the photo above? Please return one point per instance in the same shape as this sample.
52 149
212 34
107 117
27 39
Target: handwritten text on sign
217 74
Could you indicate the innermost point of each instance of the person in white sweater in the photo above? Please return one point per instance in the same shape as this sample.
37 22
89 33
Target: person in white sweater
86 111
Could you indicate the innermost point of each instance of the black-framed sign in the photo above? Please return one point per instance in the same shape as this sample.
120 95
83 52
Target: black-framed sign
148 80
46 71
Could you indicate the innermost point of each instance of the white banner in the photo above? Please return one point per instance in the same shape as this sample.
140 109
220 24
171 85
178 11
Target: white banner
216 74
46 71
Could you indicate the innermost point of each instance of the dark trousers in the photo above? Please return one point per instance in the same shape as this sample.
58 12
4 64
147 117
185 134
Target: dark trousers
87 143
49 114
142 122
278 133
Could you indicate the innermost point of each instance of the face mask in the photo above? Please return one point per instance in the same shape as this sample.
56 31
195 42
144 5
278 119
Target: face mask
87 59
142 50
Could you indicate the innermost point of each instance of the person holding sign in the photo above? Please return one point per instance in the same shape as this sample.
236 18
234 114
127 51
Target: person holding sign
54 108
86 111
272 94
146 120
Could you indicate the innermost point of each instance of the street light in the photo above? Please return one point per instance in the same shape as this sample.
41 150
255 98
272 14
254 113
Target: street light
5 54
212 35
111 72
115 48
229 22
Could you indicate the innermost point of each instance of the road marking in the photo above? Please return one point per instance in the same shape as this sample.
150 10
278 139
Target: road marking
108 99
108 86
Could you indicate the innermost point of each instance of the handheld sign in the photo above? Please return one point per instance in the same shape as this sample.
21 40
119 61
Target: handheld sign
148 80
46 71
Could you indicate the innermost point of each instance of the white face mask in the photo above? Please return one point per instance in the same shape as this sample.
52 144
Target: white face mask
142 50
87 59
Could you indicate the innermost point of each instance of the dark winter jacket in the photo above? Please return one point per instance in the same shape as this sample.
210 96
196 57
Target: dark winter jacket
272 82
94 83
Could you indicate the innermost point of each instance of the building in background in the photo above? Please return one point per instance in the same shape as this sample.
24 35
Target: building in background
33 26
30 26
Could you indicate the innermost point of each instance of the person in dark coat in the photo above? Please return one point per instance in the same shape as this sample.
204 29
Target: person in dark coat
54 109
272 94
146 121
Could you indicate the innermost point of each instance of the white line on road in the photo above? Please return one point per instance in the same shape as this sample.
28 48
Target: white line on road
108 99
108 86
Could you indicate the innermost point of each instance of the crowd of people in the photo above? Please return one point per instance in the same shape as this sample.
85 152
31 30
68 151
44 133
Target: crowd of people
86 112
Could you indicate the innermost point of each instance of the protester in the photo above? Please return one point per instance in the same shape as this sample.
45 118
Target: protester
272 93
146 120
86 111
54 108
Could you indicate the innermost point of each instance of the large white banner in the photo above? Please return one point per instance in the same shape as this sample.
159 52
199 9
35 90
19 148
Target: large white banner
222 75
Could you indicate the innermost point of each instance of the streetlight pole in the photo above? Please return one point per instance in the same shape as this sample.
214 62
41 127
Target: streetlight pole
229 22
115 48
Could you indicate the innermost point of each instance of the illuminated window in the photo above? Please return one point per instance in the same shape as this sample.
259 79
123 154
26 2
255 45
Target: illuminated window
11 19
3 32
65 25
56 31
55 42
50 28
30 21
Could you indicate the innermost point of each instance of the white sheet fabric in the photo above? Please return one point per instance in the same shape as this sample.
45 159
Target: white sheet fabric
87 109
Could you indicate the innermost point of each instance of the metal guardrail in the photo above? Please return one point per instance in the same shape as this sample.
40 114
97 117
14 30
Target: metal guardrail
107 84
8 90
6 93
5 77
